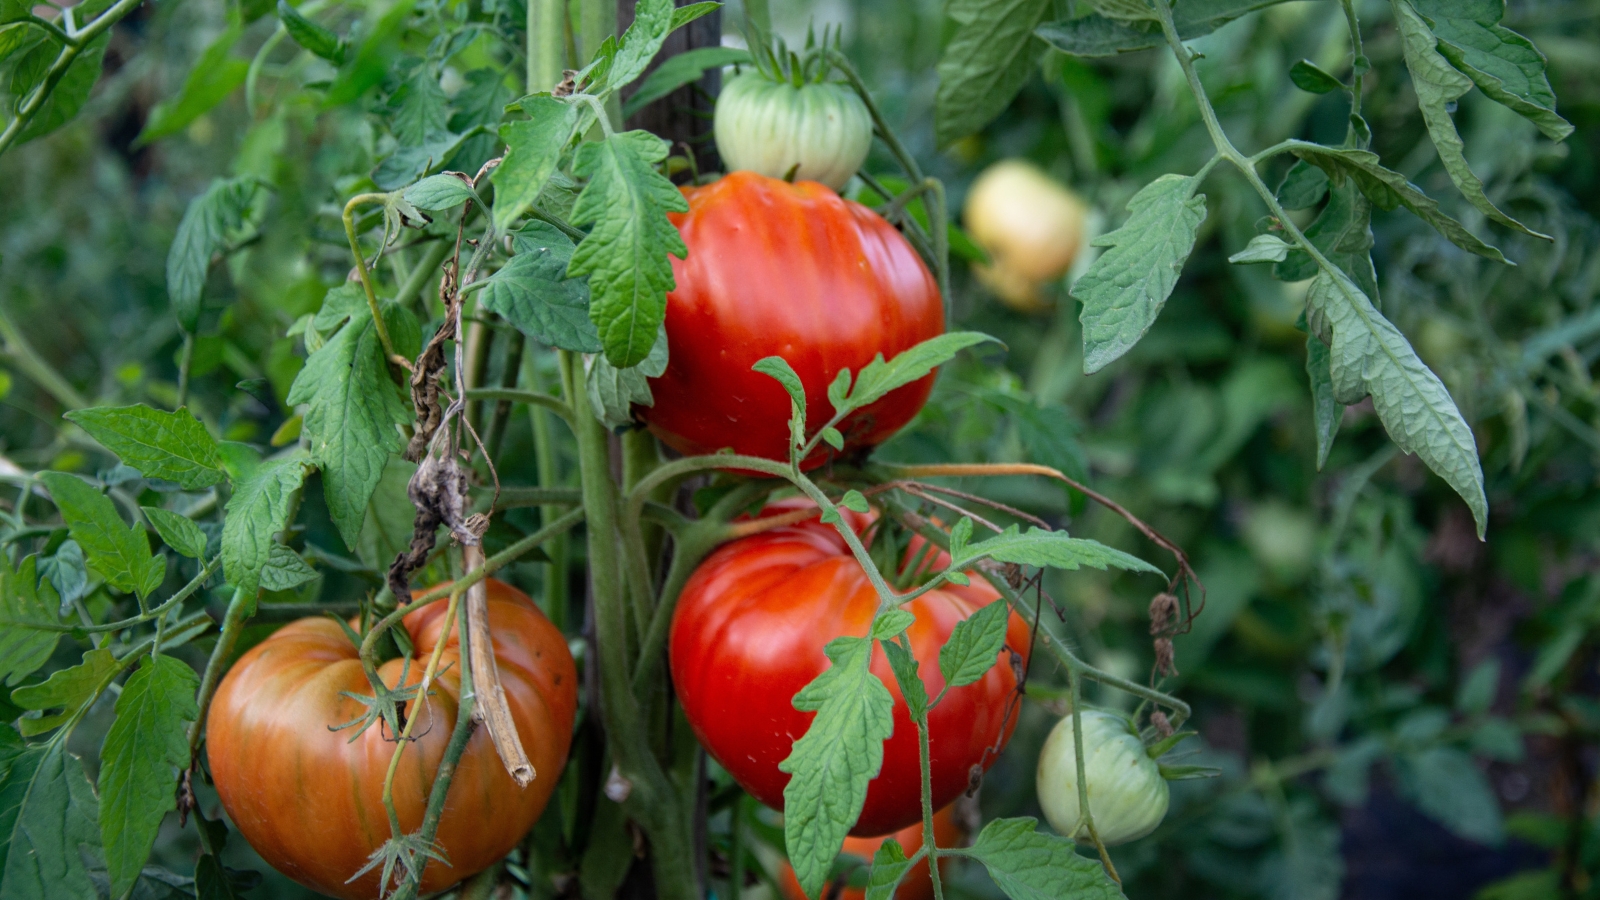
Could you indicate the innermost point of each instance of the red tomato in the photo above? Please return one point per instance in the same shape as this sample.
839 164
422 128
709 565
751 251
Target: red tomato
916 885
748 634
310 800
790 270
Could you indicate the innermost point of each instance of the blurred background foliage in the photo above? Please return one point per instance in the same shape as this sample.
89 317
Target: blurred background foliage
1398 709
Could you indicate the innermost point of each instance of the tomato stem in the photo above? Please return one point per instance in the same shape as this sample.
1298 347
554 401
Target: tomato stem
361 267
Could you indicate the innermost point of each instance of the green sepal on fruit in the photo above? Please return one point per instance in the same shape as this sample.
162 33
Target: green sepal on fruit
1127 794
792 124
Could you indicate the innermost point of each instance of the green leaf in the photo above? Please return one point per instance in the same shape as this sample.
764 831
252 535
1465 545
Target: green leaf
626 252
614 391
172 446
285 570
1477 690
533 292
204 231
1506 66
652 22
71 92
855 501
889 867
353 410
436 192
1126 286
1369 356
1303 186
258 510
1389 189
1448 786
28 609
1098 35
308 34
988 59
780 369
213 78
681 69
67 571
1326 412
1308 77
1053 549
419 111
70 690
1343 232
905 666
891 623
1262 248
386 530
974 645
1438 85
177 531
409 162
832 763
683 15
116 550
878 378
1028 865
147 746
47 825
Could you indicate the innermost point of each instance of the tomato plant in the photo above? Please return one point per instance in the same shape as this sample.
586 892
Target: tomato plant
310 799
790 270
839 508
748 635
917 885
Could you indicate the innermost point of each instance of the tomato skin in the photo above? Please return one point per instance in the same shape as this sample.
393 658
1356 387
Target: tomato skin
1126 792
916 885
310 801
748 634
821 130
790 270
1032 227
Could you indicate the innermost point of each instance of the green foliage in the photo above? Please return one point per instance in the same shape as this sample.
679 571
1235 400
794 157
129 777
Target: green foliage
308 34
532 150
532 291
215 75
48 819
353 406
1028 865
1125 288
118 551
71 690
29 608
257 511
179 532
974 645
992 52
172 446
147 744
210 221
625 253
831 765
889 866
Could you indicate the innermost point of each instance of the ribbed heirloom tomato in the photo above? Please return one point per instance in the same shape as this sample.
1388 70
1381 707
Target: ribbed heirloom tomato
748 634
790 270
310 800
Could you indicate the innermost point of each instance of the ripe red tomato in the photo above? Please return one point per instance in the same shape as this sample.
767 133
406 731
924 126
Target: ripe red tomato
916 885
790 270
748 634
310 800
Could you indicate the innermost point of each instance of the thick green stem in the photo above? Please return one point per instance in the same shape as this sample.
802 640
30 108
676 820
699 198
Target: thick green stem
652 800
547 43
530 398
232 622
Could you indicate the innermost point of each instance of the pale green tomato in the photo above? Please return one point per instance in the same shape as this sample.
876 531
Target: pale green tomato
769 127
1126 791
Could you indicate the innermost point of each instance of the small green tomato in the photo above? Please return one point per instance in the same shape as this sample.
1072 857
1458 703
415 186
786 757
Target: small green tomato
1126 791
819 131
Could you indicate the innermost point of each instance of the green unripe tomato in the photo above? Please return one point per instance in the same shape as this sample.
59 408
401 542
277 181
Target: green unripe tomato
1127 794
772 127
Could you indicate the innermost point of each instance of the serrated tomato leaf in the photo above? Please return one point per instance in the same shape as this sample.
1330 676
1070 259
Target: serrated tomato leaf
1126 286
989 57
532 150
48 824
974 645
172 446
147 746
177 531
832 763
1028 865
29 612
116 550
533 292
258 510
1053 549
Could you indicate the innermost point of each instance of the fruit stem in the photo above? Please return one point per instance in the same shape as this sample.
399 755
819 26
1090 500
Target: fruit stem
361 267
1085 815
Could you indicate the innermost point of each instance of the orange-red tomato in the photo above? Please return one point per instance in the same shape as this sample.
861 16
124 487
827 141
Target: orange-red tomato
790 270
748 634
310 800
916 885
